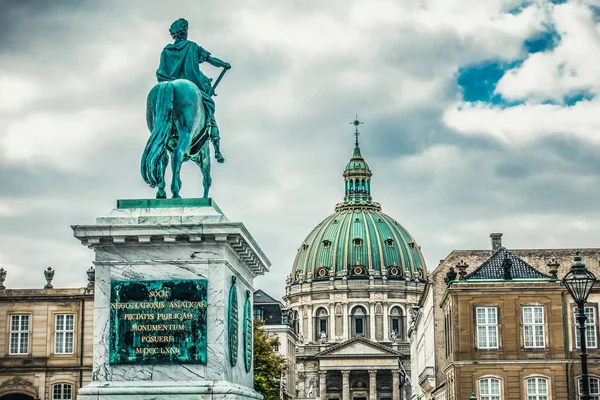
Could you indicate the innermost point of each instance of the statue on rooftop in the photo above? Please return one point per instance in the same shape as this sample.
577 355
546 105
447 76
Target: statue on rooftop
181 113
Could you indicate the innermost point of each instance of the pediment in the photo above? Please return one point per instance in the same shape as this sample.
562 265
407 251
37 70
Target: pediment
358 347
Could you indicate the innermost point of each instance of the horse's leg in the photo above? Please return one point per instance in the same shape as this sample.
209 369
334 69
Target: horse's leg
203 161
161 194
184 139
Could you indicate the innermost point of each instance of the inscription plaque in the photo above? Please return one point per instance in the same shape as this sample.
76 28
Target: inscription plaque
158 321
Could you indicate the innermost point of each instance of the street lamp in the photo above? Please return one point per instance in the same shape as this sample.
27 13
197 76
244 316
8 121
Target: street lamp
579 282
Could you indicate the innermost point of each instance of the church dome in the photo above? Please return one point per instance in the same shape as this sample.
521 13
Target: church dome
358 240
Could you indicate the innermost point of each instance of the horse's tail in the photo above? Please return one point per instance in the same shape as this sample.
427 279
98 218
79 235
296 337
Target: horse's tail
153 168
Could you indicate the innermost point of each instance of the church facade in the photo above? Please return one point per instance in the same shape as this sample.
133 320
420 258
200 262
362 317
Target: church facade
354 280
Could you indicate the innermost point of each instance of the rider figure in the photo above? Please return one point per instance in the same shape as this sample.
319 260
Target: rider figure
180 60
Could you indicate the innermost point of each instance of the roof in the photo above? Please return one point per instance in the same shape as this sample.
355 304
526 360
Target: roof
358 345
260 297
505 265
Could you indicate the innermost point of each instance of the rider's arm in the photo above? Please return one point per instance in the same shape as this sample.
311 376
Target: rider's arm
217 62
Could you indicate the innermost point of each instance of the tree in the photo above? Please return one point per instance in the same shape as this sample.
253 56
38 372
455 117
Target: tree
268 365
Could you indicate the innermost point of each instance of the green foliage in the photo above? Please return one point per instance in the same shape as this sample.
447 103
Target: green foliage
268 365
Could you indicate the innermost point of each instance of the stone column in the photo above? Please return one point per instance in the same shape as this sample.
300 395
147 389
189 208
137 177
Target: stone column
372 384
386 328
310 332
345 385
322 385
395 383
331 322
372 321
345 330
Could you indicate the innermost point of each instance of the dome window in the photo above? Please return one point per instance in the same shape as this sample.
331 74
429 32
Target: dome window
358 242
326 244
412 244
322 272
304 246
358 270
389 243
379 220
356 219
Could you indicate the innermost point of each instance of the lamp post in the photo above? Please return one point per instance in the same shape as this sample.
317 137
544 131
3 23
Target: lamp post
579 282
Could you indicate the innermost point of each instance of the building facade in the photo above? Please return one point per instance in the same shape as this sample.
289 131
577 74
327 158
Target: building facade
273 314
353 281
504 326
45 342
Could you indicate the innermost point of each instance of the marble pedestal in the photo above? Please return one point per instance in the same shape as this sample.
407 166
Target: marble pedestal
170 240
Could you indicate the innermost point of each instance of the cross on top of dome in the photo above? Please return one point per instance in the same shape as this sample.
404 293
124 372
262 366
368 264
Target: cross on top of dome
356 123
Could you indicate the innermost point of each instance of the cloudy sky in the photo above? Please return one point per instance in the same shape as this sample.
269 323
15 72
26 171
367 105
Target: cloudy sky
480 116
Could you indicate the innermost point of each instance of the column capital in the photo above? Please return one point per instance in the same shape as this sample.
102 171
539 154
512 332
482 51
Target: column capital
372 373
323 373
395 373
346 373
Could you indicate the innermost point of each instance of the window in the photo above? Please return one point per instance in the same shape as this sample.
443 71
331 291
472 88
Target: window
258 313
322 317
537 389
448 334
594 387
489 389
276 348
296 322
326 244
533 327
487 327
64 334
357 242
19 334
62 391
590 329
389 243
359 321
397 322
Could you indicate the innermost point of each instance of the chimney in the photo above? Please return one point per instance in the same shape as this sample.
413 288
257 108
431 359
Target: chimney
496 240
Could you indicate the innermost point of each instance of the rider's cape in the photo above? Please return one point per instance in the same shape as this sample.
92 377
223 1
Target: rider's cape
181 61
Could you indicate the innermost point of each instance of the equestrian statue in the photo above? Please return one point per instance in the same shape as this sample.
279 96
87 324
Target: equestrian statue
180 113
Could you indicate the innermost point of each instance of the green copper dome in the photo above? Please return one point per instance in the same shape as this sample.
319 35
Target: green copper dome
358 240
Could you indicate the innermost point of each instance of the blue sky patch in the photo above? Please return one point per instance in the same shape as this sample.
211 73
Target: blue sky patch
478 81
542 41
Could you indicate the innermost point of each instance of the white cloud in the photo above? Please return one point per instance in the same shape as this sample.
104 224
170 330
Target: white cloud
16 92
572 66
522 124
63 140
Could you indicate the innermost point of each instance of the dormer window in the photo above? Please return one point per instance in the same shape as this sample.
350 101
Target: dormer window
389 243
305 246
357 242
412 245
326 244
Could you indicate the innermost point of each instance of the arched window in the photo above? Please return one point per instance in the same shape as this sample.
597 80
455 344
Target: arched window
359 321
62 391
397 322
489 389
296 322
594 387
322 317
537 389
